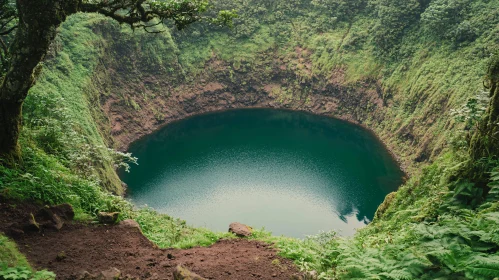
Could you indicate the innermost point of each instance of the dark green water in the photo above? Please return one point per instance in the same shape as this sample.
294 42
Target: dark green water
293 173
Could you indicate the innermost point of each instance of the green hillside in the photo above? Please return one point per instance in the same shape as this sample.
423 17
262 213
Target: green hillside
419 73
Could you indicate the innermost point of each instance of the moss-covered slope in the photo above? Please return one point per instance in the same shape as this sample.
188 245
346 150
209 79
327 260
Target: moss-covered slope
397 67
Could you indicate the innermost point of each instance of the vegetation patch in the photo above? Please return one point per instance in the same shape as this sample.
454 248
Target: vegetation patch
420 58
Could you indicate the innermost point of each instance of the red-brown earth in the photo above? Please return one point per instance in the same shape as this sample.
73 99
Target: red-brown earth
95 248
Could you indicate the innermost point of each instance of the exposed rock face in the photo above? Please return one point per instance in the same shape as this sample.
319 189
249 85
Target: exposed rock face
182 273
108 218
48 217
240 230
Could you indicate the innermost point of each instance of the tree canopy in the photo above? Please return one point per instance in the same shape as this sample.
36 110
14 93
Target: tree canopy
28 27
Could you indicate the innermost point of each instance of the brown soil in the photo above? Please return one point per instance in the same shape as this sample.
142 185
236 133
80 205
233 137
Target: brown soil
95 248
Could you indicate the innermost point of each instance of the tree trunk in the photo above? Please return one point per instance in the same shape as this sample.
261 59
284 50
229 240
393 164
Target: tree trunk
38 22
10 123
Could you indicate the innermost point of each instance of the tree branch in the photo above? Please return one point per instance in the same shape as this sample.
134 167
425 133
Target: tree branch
8 30
140 12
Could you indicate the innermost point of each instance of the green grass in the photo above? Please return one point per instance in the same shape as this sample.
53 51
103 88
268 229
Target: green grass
15 266
423 233
10 255
168 232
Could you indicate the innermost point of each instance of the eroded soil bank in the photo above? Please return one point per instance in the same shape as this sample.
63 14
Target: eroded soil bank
95 248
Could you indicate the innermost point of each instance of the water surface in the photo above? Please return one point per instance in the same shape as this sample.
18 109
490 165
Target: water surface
291 172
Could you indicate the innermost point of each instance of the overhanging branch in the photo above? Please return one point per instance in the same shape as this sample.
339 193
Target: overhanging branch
2 33
138 13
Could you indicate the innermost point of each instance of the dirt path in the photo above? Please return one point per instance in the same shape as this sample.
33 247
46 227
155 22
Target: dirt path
77 247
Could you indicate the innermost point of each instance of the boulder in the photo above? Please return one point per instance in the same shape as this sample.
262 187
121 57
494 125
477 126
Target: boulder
47 219
108 217
240 230
182 273
65 211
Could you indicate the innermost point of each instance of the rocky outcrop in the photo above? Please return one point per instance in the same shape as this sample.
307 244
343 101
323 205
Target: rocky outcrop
46 218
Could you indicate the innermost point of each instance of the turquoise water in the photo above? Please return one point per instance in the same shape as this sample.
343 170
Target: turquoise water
291 172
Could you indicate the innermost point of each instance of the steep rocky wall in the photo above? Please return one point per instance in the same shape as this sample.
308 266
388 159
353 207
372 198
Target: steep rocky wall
138 104
147 81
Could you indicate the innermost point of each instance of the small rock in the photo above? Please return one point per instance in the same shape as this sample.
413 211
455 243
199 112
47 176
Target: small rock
240 230
108 217
110 274
182 273
61 256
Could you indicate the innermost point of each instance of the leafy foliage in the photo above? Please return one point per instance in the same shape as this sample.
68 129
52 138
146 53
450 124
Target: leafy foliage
14 266
471 113
8 24
424 58
10 255
24 273
445 19
394 16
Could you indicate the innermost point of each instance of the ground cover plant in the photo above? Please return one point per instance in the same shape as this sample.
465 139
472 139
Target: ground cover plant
427 60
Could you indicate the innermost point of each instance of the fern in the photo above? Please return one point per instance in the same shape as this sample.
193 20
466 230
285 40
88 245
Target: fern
398 275
481 267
